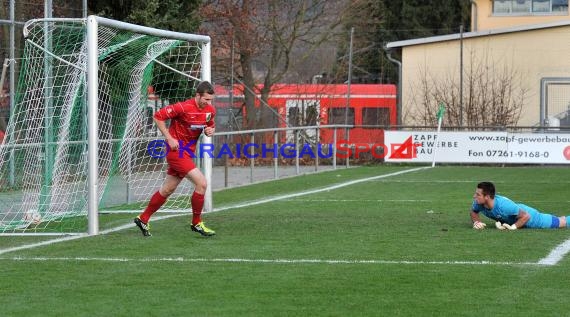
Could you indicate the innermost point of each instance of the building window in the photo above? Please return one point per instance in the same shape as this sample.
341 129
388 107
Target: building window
559 5
541 6
502 6
523 7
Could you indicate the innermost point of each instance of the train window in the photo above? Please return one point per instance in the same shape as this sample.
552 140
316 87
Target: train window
376 116
337 116
302 112
293 116
311 114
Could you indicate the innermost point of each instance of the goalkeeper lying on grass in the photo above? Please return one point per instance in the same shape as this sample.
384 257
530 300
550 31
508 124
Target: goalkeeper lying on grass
508 214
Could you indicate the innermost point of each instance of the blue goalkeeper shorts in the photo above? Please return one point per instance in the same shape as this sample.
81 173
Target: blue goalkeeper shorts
540 220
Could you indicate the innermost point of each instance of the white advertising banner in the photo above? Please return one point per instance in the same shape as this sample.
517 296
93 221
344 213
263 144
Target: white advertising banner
477 147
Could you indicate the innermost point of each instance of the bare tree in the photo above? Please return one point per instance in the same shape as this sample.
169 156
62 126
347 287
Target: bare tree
494 95
266 36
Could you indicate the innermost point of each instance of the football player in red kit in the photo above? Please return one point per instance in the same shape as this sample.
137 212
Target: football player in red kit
188 120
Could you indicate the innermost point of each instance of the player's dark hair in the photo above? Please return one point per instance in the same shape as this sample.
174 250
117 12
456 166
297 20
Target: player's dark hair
204 87
487 188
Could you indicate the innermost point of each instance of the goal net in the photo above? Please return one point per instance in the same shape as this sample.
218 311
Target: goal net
47 182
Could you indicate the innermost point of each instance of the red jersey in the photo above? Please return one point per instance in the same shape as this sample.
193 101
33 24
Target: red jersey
187 121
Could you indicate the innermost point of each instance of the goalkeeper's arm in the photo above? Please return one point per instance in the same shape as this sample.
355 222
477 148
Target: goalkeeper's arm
522 218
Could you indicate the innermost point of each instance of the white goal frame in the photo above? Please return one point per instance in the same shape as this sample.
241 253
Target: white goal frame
93 23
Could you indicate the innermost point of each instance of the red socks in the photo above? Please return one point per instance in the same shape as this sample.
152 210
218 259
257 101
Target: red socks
197 205
156 201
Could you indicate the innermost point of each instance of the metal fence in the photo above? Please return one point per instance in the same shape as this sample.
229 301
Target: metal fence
252 156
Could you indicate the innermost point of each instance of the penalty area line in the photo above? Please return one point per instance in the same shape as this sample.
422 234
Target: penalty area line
265 261
557 254
308 192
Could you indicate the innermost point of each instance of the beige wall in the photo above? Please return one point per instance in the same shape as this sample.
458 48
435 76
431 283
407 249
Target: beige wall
532 54
486 20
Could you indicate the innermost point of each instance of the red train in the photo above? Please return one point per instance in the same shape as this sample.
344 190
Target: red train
370 106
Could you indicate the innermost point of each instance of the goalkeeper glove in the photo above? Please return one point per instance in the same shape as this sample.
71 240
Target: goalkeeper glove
510 227
479 225
499 225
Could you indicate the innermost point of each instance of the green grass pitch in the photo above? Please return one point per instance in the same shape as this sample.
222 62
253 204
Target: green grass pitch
395 245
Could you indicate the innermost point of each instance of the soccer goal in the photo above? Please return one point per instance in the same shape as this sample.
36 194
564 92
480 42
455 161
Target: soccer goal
78 138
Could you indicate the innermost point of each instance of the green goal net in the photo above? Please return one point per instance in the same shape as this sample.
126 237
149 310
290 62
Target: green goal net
44 159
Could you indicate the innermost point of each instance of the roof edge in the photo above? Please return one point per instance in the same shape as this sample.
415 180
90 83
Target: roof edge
456 36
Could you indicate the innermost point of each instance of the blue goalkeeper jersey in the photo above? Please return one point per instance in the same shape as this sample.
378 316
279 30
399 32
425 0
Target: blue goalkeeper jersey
506 210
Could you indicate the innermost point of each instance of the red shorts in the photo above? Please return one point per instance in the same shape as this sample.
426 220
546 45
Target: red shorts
179 166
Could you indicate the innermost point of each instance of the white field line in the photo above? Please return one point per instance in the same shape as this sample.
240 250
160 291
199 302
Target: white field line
367 200
187 211
74 237
319 190
264 261
39 244
451 181
557 254
404 200
303 193
246 204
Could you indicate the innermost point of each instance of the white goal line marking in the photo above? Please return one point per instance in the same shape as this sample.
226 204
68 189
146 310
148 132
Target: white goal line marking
75 237
265 261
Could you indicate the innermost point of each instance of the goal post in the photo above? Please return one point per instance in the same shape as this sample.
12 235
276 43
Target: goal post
78 139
